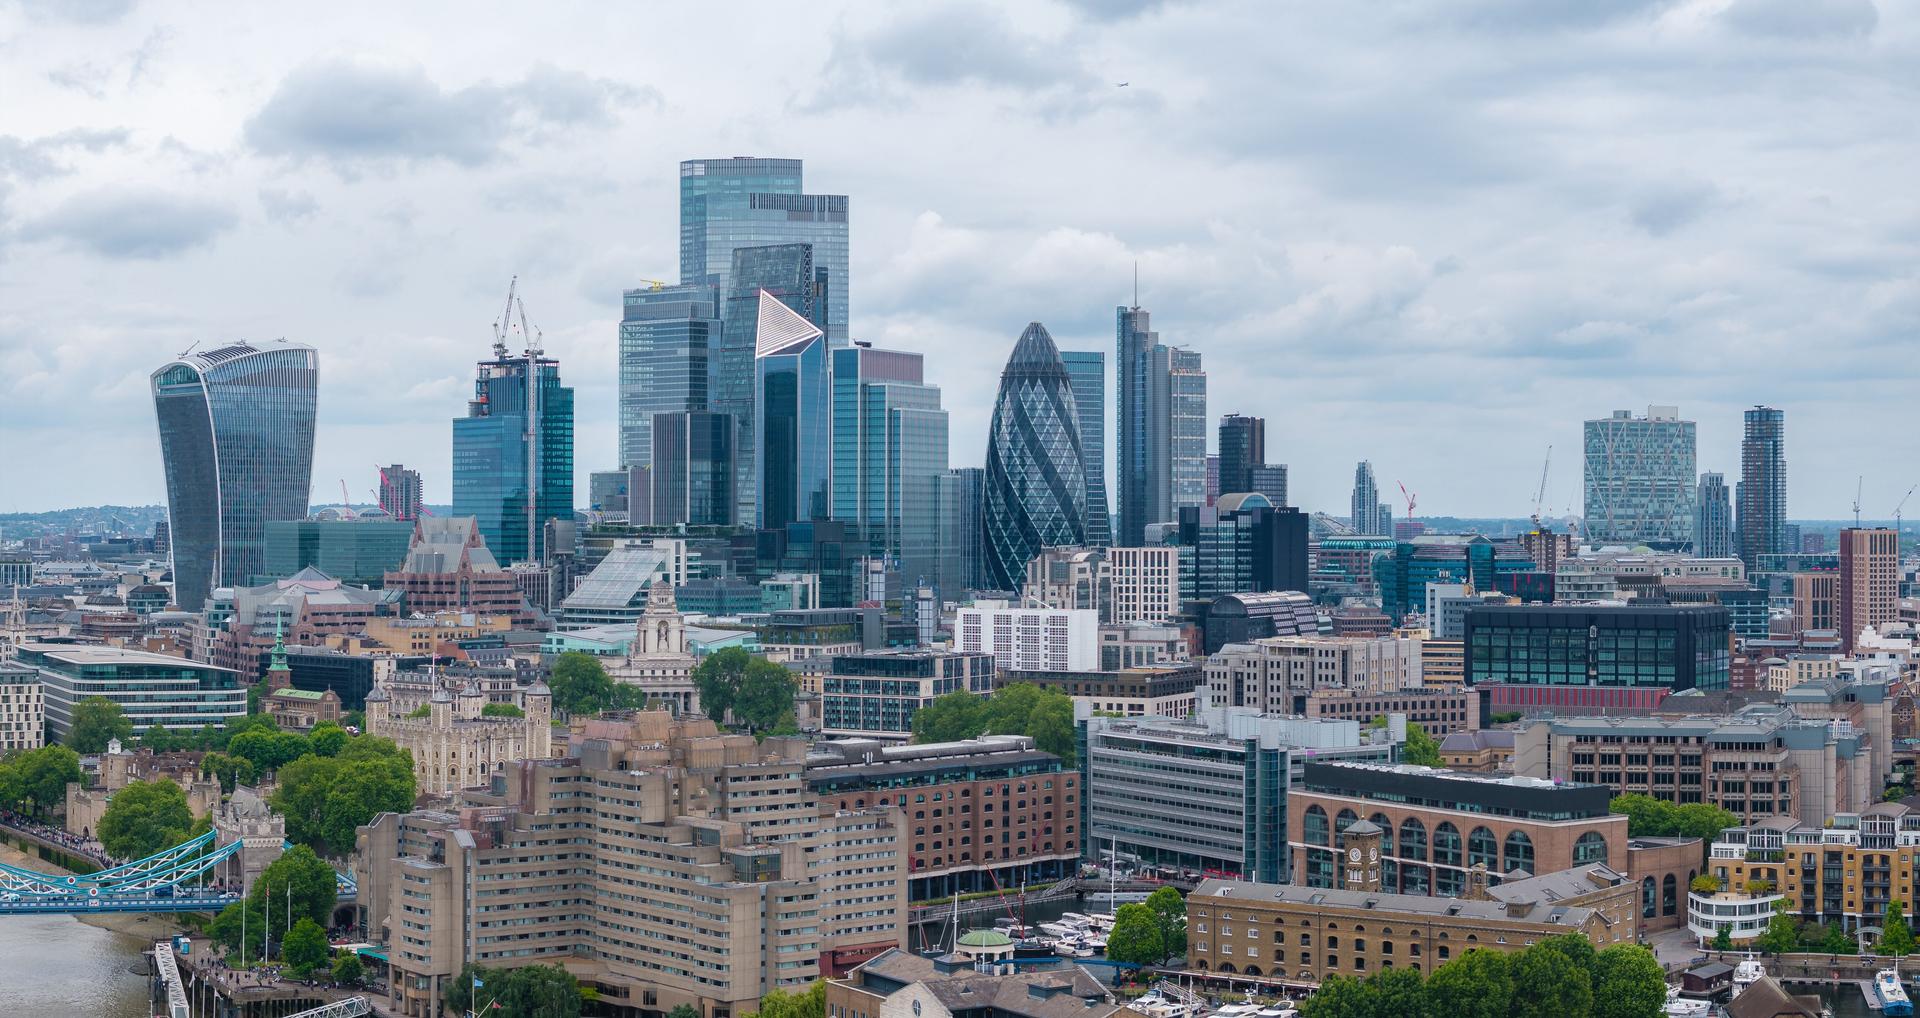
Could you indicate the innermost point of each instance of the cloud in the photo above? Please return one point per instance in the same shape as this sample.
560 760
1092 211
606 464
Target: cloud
1662 209
40 158
133 222
1113 10
356 111
284 206
1802 19
86 12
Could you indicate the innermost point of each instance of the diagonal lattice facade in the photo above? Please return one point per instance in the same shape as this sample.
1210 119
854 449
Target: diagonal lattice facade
1036 489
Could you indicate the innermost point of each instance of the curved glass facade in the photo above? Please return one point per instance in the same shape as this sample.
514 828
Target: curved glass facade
1036 488
236 444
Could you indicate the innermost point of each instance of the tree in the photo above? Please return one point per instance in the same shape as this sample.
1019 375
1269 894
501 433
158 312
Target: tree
1647 817
1338 997
1170 911
228 927
97 721
1781 936
1045 715
305 948
1399 993
1701 820
43 776
326 798
327 739
1420 748
1723 939
1838 942
143 818
684 1011
1897 940
580 684
1628 982
1548 983
1704 884
161 739
232 771
808 1003
315 889
764 696
1478 984
1505 717
950 718
424 710
348 969
532 991
1135 939
502 710
268 750
1051 726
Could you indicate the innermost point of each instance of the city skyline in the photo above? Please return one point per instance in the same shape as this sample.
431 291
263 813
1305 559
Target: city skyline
1326 287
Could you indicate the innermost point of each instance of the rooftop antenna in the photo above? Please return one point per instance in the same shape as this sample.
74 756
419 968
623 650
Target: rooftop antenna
1136 284
1857 485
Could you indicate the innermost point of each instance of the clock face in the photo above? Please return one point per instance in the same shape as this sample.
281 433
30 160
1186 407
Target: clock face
1353 854
1373 854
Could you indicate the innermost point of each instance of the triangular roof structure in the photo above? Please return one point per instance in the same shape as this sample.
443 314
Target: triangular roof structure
780 328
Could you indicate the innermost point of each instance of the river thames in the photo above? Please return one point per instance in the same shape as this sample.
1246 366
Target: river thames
58 965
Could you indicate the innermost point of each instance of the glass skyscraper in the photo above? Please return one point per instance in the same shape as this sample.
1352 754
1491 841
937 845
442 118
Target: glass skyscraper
1639 479
1088 370
729 204
1713 518
513 454
692 473
1140 435
1035 491
1243 446
786 273
666 337
791 454
236 445
889 455
1187 428
963 492
1762 509
1364 506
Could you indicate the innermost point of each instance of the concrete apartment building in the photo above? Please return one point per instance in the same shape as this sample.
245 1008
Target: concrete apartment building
1815 597
1145 583
23 712
1278 674
1437 711
1842 870
661 862
1869 584
1172 692
1443 663
1143 645
1041 639
984 813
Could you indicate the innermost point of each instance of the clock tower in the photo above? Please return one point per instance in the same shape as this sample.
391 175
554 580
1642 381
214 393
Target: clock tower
1361 862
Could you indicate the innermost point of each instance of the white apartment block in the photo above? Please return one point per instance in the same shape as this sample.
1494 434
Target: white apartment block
1031 639
1277 674
1146 583
23 716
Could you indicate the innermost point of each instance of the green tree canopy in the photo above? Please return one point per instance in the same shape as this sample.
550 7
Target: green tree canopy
231 771
1170 910
1136 938
950 718
1897 940
228 927
268 750
532 991
161 739
1628 982
348 970
97 721
1839 942
579 683
313 886
1399 993
718 678
1723 939
1420 747
143 818
808 1003
1477 984
1338 997
1781 936
1549 983
1022 708
684 1011
764 696
305 949
39 778
502 710
325 798
327 739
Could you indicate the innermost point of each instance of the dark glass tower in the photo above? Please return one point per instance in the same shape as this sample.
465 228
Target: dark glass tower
787 273
889 455
1243 446
666 336
692 473
1762 510
1088 369
513 453
1036 494
1713 518
1142 442
236 444
729 204
791 454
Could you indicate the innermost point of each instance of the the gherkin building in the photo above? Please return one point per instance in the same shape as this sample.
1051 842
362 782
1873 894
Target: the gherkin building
1036 491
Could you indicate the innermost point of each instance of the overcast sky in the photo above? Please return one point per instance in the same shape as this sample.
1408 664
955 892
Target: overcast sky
1433 235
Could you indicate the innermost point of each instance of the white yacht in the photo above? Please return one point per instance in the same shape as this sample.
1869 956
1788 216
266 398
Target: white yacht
1685 1007
1747 973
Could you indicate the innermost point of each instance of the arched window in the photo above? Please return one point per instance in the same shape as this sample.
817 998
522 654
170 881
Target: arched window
1386 831
1346 819
1669 896
1482 850
1519 853
1414 880
1251 970
1413 840
1591 847
1315 826
1445 953
1649 899
1446 845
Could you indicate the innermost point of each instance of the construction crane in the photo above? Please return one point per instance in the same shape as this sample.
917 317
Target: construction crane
346 503
1412 499
1857 485
1540 495
655 284
1896 515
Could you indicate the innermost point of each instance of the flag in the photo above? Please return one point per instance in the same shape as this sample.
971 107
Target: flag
477 983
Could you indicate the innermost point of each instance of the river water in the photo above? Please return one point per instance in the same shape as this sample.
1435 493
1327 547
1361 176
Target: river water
58 966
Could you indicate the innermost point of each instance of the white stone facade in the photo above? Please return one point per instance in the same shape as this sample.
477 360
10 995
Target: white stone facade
455 746
658 660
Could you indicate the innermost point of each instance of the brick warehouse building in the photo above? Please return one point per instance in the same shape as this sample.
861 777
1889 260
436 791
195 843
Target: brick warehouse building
982 814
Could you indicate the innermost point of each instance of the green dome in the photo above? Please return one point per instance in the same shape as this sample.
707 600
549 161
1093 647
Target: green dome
985 938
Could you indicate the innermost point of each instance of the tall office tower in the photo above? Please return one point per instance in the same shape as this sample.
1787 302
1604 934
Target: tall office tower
1869 593
1213 478
889 455
236 444
1760 509
1712 518
787 274
400 492
1639 479
692 472
513 453
1365 504
1243 446
1187 381
1036 496
667 334
792 452
1142 443
1269 479
963 563
729 204
1088 369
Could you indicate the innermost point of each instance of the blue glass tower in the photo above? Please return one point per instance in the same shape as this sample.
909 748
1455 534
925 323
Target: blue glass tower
791 454
1036 493
667 335
236 444
729 204
889 455
786 273
1088 370
513 453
